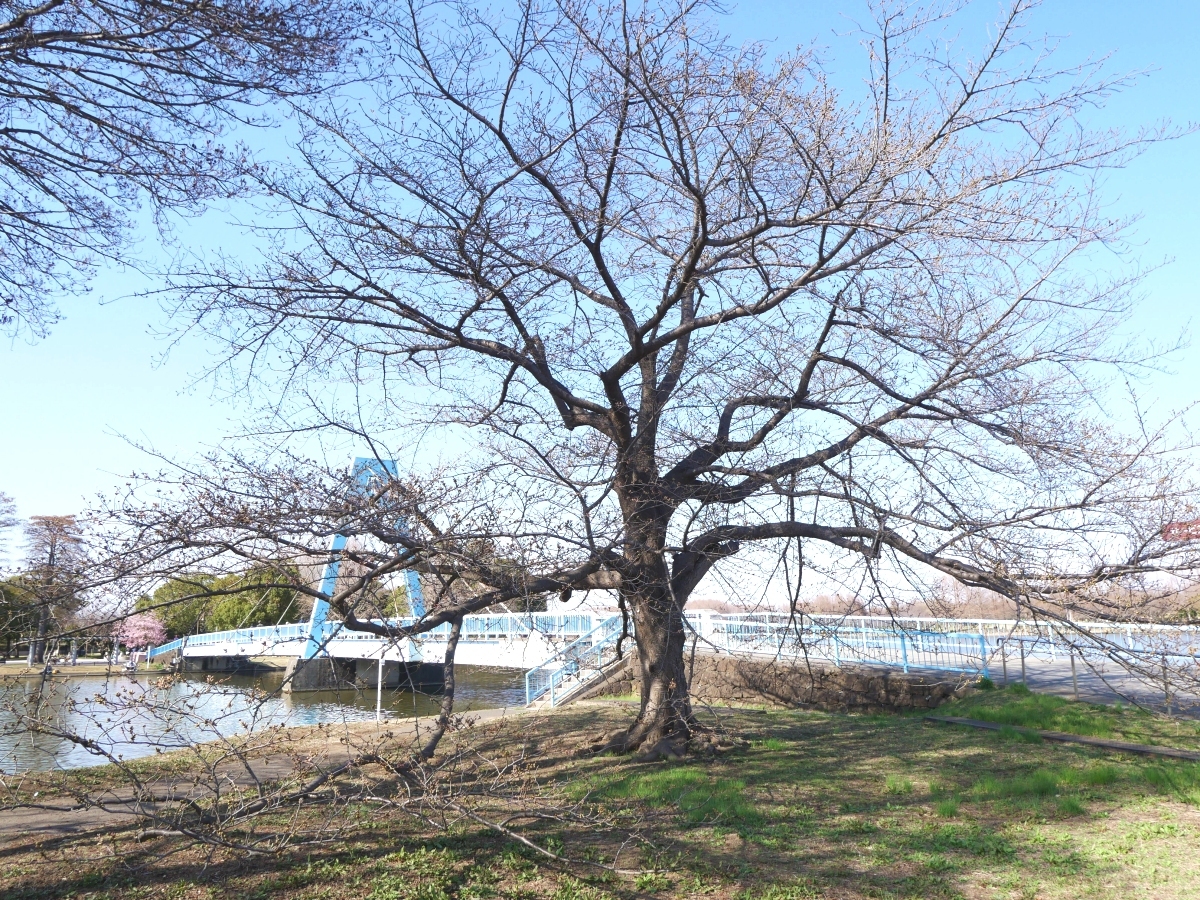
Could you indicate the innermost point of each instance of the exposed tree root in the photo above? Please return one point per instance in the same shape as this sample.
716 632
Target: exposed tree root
651 744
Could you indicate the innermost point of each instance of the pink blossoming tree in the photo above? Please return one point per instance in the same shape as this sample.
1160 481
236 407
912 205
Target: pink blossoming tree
141 631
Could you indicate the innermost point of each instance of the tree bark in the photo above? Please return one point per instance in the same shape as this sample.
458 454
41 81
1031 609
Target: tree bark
39 653
664 723
447 707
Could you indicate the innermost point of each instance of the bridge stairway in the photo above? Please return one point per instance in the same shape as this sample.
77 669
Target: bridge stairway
570 671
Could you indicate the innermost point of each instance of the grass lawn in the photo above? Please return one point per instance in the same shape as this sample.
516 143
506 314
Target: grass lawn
810 805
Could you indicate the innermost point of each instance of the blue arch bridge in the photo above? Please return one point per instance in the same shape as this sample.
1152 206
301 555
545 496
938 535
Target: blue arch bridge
566 655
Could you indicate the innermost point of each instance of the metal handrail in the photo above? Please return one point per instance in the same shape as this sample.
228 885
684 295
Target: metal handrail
903 642
508 624
164 648
569 661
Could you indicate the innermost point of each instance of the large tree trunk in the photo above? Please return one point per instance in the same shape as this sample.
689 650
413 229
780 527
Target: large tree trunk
664 723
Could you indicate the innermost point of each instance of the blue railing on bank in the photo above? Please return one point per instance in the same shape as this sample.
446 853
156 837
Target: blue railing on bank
949 645
897 648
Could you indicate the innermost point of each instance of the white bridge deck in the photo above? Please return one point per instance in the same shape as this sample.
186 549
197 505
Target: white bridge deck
505 641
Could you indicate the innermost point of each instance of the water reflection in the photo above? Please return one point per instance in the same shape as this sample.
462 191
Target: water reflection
133 717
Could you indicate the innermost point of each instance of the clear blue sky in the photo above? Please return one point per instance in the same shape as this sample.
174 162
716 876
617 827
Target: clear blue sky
70 401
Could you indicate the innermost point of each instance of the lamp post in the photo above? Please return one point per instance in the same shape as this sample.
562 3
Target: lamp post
379 687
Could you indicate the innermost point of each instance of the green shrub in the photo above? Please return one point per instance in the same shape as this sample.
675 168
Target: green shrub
771 744
1009 733
798 890
1069 806
1098 775
1040 783
573 889
392 886
651 882
1180 780
1045 712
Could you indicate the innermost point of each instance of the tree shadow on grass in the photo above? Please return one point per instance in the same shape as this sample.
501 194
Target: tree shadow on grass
892 804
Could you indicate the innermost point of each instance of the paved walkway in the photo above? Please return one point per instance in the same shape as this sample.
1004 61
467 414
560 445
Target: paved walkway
117 807
86 668
1103 683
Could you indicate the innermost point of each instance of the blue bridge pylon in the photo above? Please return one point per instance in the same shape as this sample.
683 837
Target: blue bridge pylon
366 470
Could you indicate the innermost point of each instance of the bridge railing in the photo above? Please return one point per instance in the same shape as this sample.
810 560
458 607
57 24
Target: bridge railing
861 645
164 648
939 644
904 642
479 627
266 634
483 627
988 627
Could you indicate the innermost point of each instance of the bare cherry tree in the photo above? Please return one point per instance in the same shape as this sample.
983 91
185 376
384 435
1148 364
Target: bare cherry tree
110 102
686 300
56 562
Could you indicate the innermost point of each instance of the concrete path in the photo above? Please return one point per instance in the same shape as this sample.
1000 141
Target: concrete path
86 668
117 808
1103 682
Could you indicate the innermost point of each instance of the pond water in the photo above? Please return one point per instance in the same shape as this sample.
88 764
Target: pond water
47 725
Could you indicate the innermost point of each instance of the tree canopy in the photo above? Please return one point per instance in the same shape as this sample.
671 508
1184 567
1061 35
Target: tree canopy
110 103
141 631
18 609
687 303
8 515
55 573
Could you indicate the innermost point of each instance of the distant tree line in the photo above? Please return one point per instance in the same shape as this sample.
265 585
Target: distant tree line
44 606
196 603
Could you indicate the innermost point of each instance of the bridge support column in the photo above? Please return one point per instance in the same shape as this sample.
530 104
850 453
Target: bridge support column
213 664
421 676
321 673
325 673
368 673
333 674
229 665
